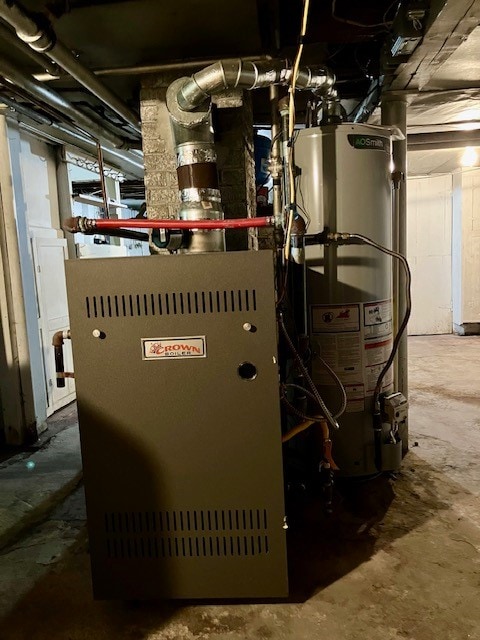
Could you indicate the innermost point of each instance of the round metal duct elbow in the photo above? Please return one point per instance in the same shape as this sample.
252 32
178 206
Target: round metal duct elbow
320 80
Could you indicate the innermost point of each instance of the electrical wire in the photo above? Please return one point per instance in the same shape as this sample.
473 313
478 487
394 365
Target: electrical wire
377 87
297 412
338 382
291 127
362 24
333 422
408 296
303 426
395 2
309 394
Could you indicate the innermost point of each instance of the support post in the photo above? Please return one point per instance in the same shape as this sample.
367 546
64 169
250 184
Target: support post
394 112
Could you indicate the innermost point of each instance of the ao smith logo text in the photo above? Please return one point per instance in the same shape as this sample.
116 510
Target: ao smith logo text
368 142
165 348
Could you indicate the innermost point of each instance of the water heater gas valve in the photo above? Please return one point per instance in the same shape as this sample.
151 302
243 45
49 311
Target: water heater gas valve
395 408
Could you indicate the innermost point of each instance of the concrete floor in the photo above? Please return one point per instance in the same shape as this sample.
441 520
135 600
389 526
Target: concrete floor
399 560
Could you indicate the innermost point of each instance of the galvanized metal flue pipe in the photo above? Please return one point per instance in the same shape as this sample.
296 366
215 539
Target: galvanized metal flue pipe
43 40
189 103
244 74
66 110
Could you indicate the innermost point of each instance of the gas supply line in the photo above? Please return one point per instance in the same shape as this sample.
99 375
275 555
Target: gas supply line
82 224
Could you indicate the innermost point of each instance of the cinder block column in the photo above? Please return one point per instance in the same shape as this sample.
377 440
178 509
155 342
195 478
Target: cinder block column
236 165
160 170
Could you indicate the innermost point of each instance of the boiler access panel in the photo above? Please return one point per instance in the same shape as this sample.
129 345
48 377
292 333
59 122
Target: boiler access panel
177 387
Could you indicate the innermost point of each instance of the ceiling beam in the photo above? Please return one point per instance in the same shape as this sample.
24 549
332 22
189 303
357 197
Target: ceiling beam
450 23
443 140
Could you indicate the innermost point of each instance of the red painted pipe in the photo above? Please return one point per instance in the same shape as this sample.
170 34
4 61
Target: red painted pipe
78 224
238 223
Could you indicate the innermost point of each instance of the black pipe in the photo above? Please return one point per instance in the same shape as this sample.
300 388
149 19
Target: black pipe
121 233
57 342
59 366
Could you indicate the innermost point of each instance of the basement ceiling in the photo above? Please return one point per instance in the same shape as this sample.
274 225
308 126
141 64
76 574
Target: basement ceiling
122 40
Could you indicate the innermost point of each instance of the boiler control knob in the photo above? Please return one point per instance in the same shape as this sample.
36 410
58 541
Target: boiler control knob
96 333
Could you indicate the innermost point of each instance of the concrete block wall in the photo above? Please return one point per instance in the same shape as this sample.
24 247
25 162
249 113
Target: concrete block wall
160 170
236 166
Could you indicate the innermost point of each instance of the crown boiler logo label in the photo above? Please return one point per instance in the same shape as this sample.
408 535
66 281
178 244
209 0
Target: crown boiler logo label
165 348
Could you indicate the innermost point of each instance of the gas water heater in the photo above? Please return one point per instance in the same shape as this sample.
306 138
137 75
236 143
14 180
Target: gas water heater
345 185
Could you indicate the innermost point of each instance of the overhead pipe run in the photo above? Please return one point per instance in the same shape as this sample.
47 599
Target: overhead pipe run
65 109
180 65
30 120
13 41
443 140
24 110
44 41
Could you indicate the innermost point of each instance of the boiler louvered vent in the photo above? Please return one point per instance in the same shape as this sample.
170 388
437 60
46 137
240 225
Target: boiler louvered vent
136 305
186 534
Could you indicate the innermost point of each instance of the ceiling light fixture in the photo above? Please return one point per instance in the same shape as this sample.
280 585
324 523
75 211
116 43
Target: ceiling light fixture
469 119
469 157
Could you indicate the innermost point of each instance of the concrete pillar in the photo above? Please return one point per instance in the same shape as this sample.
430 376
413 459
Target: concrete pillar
394 112
234 144
466 252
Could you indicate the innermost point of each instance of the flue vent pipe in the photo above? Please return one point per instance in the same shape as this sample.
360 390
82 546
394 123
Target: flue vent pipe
189 102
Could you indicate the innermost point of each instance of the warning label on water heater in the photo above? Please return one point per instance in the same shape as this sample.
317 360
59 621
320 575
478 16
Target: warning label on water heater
164 348
355 340
377 319
335 318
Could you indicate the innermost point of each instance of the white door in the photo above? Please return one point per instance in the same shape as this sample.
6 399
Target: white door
429 223
49 256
